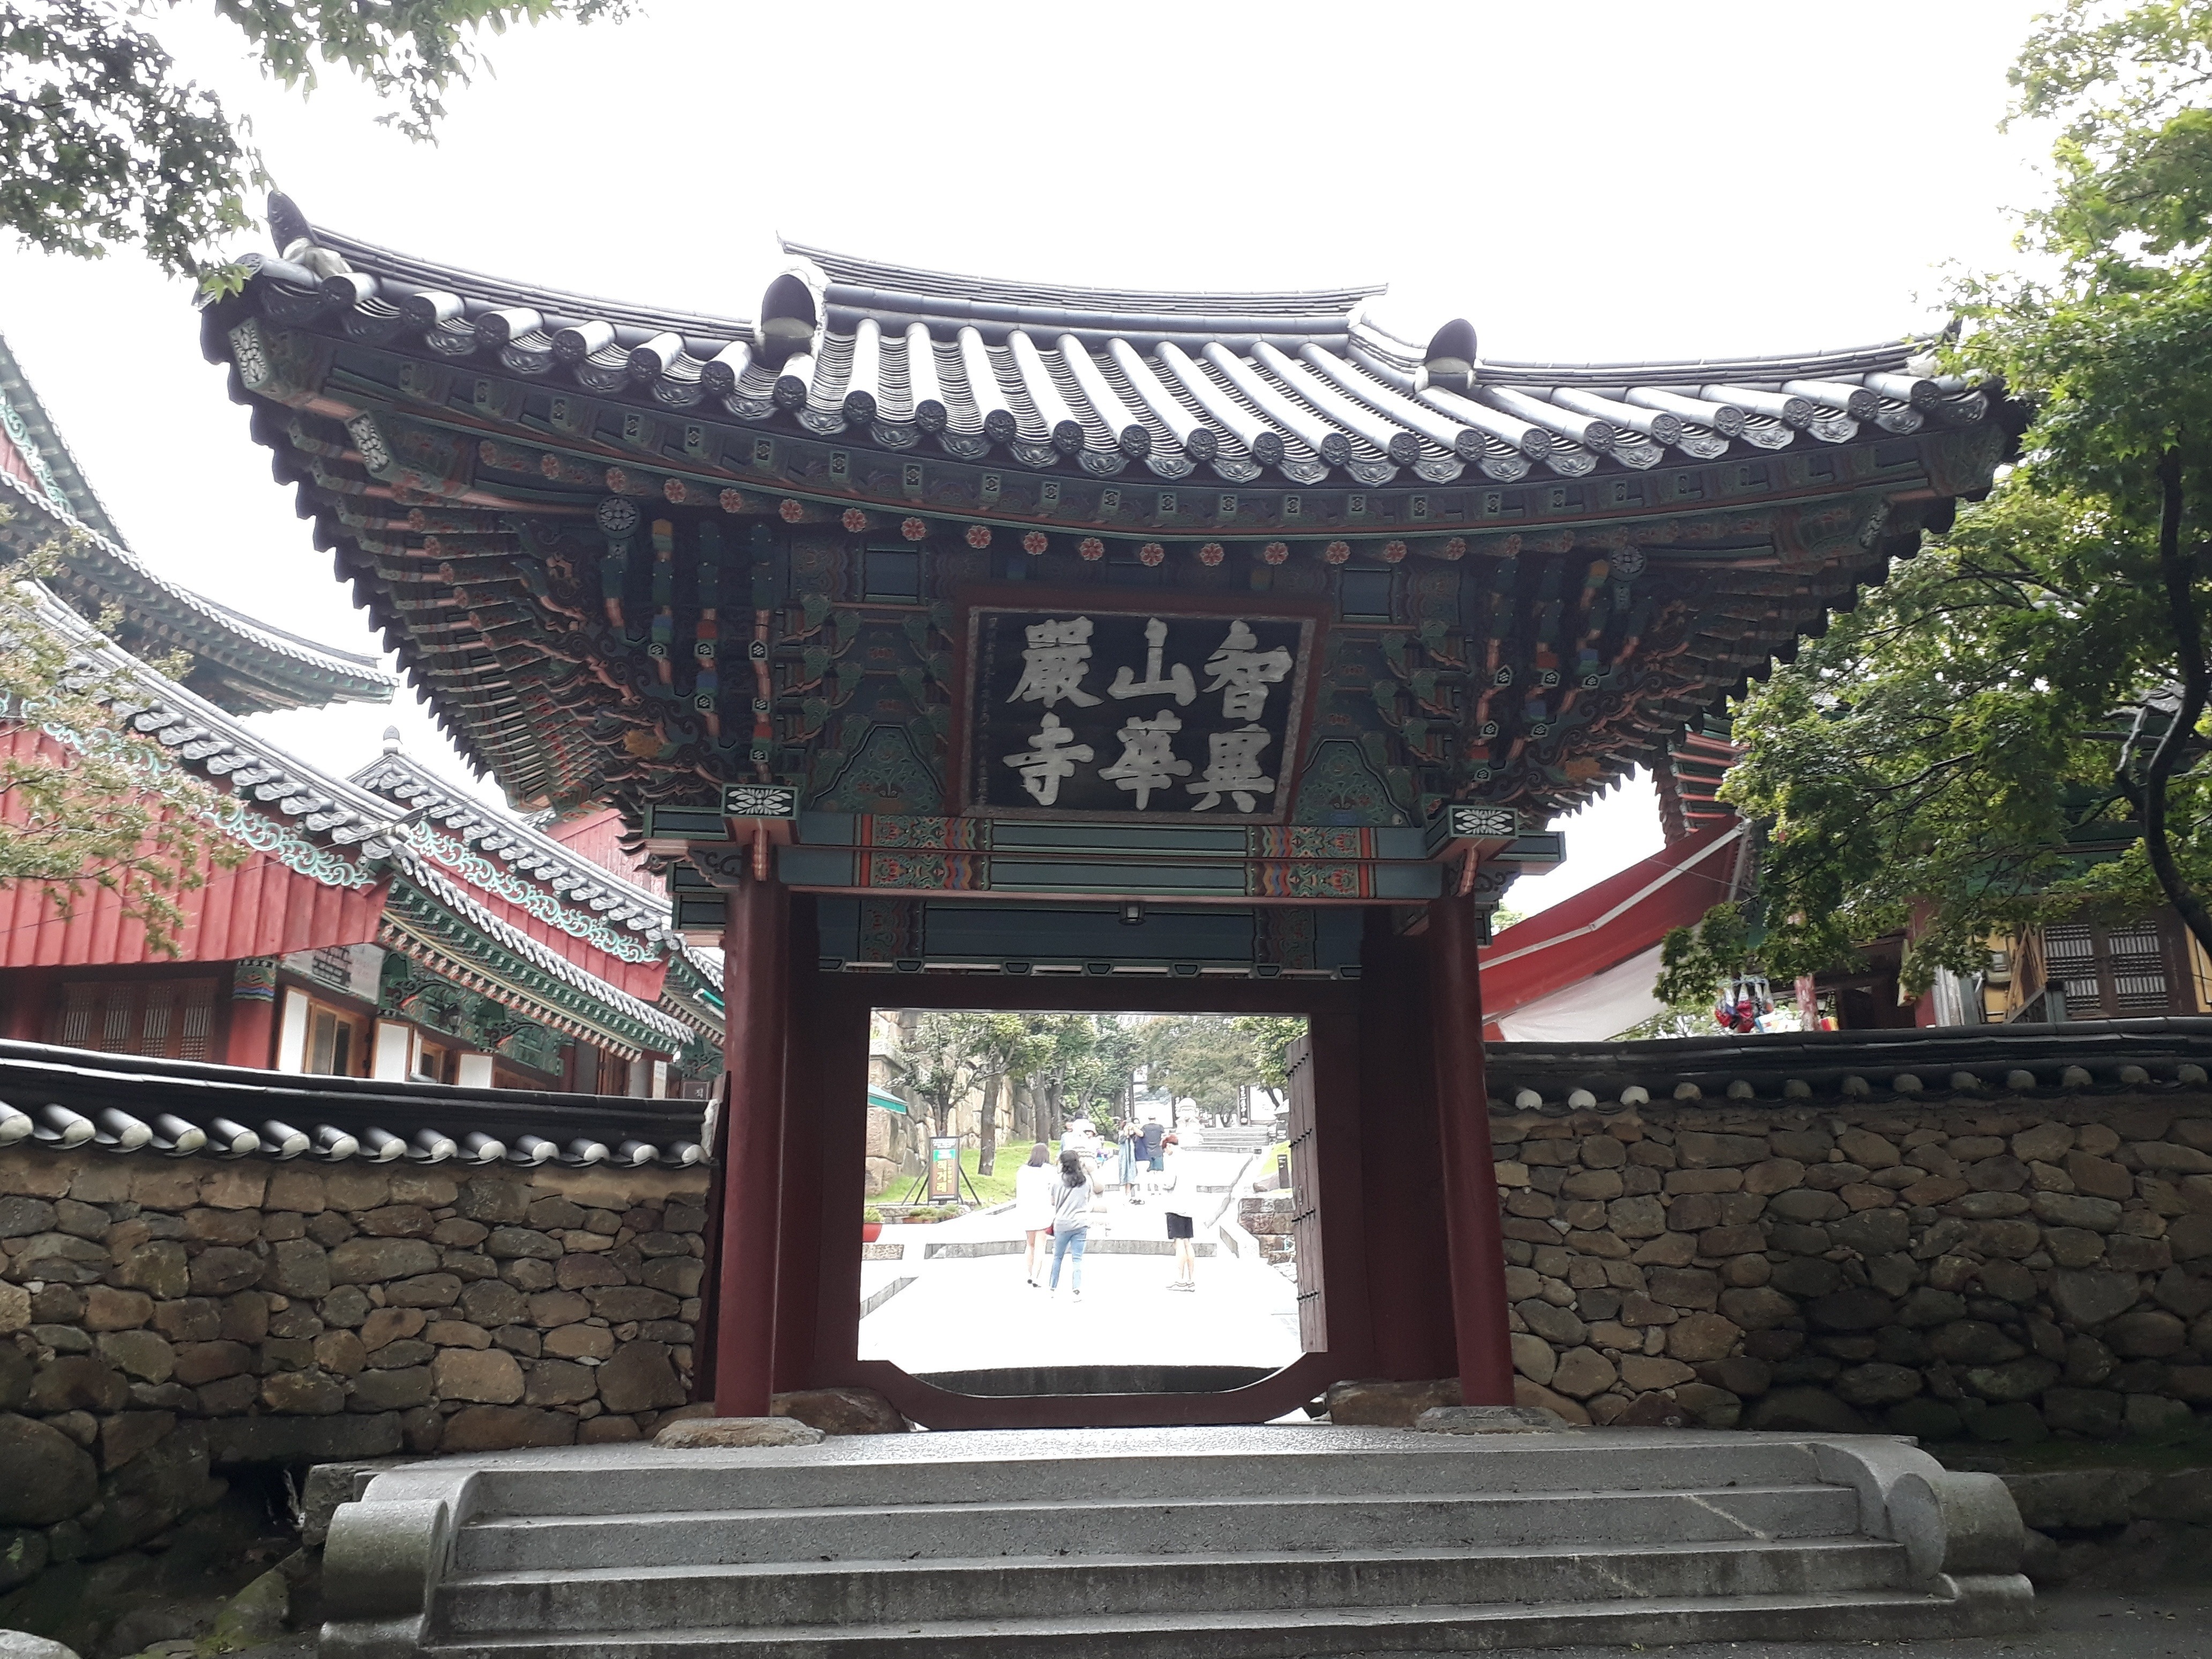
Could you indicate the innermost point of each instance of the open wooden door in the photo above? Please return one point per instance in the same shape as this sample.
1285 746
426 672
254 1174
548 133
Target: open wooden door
1305 1186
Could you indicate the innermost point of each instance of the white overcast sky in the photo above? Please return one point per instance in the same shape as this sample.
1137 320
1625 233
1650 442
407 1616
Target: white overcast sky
1586 181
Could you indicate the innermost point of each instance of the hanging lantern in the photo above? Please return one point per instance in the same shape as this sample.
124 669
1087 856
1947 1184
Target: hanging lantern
914 529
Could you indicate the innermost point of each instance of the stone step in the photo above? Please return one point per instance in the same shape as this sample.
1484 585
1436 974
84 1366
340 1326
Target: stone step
1274 1462
1306 1633
1058 1526
895 1592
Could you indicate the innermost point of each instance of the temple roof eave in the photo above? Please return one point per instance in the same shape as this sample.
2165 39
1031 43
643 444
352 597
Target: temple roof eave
257 667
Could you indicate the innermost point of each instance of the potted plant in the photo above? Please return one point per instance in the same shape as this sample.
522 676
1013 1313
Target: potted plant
872 1225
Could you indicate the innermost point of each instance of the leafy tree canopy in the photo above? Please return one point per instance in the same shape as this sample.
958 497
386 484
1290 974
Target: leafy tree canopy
1964 753
103 144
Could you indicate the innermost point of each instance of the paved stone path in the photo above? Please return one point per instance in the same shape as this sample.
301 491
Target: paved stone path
976 1313
2168 1623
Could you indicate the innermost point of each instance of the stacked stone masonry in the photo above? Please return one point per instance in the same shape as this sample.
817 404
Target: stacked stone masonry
2004 1269
162 1320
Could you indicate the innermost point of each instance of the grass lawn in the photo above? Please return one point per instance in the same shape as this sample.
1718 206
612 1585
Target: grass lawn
994 1189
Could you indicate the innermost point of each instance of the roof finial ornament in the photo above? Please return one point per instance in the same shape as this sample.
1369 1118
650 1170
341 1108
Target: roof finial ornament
287 224
391 739
296 239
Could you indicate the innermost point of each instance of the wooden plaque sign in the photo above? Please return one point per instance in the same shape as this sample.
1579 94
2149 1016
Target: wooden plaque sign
1078 708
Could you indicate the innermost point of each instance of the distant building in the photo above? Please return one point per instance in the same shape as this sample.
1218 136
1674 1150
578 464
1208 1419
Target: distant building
382 925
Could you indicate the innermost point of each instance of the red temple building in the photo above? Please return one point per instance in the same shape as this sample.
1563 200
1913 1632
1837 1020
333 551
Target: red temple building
381 924
958 642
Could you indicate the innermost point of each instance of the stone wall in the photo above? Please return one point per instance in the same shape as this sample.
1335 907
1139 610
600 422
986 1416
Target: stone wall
162 1320
2005 1269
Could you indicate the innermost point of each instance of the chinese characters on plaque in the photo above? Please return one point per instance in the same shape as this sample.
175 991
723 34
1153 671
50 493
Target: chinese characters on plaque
1091 712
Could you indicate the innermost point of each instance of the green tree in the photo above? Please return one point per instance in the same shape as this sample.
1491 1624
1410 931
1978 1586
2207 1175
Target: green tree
1203 1058
2013 726
103 144
98 807
1271 1036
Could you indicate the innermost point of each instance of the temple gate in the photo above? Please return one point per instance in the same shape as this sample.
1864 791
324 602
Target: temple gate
978 644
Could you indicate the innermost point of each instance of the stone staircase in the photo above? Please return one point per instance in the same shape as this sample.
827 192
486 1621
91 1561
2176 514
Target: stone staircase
1230 1543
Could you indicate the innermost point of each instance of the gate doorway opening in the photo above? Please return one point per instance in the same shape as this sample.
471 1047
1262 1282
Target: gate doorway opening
1187 1262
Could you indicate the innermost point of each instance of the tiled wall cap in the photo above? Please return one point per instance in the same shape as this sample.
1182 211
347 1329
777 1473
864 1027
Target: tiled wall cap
1856 1084
1965 1082
2018 1079
1529 1101
1688 1092
1905 1083
1797 1088
2190 1073
2076 1077
1582 1100
1635 1095
1741 1090
2133 1074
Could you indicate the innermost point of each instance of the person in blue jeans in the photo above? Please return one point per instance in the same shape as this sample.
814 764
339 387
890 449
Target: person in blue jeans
1071 1219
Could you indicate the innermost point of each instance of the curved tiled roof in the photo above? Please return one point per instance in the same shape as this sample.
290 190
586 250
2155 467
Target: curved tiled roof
357 830
1540 573
1235 387
69 1097
213 742
568 874
245 665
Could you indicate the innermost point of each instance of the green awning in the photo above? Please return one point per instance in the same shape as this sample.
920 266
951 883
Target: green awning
876 1097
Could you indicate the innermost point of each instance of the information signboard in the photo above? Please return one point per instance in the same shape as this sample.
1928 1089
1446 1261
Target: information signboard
945 1170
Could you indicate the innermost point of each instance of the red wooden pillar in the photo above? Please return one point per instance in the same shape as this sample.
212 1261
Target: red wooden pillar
1474 1243
755 946
250 1038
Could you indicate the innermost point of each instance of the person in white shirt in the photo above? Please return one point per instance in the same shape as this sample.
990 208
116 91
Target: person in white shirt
1181 1200
1033 1206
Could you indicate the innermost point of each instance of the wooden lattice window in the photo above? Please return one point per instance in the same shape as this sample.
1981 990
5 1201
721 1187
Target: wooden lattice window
2127 971
167 1019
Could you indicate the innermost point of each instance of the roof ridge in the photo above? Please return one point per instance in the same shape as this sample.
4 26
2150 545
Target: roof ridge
16 392
643 897
918 279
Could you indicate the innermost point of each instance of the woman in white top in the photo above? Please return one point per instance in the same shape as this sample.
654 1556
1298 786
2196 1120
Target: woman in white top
1033 1207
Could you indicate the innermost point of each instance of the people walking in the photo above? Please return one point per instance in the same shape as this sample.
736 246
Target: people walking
1156 1154
1132 1137
1071 1219
1181 1208
1033 1208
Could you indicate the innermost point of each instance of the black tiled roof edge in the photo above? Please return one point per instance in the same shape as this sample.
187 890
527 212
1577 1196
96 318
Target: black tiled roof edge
59 1099
1898 1067
515 842
213 744
1304 386
278 669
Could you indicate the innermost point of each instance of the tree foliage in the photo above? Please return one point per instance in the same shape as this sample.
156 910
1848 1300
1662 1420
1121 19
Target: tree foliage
2027 695
103 142
110 812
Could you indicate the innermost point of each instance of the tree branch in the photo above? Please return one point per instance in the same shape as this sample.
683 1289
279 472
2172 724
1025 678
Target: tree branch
2188 636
